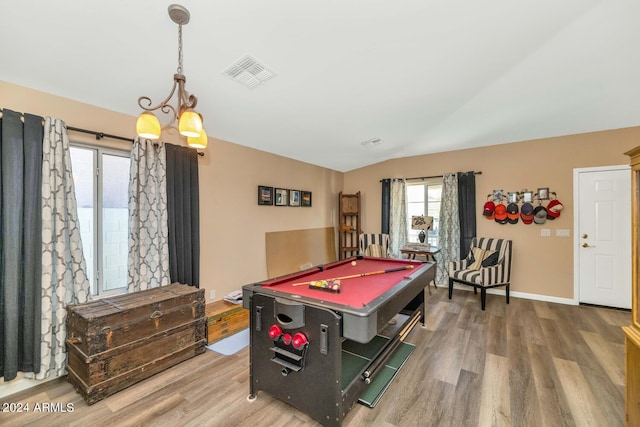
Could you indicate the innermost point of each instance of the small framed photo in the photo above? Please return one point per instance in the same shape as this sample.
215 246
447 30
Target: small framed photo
543 193
497 195
265 195
527 196
512 197
294 197
305 199
281 197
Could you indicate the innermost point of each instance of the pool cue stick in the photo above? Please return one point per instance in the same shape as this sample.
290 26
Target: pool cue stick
379 361
409 326
371 273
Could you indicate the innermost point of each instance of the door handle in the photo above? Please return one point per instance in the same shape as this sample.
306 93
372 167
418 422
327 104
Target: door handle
586 245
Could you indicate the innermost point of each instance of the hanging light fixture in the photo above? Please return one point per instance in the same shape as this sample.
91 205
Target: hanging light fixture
189 120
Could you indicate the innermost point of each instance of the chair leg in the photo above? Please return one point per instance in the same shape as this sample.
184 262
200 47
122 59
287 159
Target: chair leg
475 290
507 293
450 287
483 297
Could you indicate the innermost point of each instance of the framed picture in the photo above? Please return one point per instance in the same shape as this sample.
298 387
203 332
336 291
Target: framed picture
294 197
305 199
527 196
265 195
543 193
497 195
512 197
282 197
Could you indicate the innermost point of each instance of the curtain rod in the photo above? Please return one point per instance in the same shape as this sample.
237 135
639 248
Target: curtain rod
100 135
428 177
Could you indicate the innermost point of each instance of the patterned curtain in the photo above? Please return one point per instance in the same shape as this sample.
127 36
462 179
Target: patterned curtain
64 278
449 227
20 246
148 230
398 216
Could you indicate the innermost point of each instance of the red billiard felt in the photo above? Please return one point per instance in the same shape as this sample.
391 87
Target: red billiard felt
353 292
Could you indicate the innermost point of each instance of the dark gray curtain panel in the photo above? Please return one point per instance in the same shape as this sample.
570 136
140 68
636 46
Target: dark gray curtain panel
386 205
20 242
466 210
183 208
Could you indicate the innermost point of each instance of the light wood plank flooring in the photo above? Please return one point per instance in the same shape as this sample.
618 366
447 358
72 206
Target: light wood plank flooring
529 363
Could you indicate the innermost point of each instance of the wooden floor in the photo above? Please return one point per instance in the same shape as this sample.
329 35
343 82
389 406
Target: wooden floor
529 363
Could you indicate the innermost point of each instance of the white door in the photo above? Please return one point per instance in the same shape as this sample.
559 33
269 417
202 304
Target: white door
603 236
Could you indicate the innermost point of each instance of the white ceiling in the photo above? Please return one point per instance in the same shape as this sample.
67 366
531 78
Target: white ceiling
424 76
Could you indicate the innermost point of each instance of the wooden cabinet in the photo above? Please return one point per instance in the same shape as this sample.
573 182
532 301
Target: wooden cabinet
225 319
632 332
350 227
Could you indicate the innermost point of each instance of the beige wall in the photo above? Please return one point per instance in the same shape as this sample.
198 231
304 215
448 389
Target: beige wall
541 265
232 225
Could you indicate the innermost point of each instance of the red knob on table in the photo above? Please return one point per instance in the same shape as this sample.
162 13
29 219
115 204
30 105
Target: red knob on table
299 340
286 338
274 332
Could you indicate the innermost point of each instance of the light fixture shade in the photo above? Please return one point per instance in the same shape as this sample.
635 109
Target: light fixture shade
148 126
190 124
200 142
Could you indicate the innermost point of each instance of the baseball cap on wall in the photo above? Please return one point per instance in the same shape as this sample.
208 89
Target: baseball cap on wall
501 213
540 215
512 213
526 213
553 209
489 209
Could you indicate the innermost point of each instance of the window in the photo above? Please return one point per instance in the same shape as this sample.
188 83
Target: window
101 179
424 199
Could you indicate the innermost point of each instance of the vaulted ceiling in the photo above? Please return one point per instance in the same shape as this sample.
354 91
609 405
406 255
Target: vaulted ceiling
356 82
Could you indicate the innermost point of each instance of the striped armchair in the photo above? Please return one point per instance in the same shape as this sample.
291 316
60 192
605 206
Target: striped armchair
487 265
376 245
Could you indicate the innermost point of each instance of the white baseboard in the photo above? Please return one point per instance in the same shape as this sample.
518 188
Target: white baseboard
19 384
525 295
537 297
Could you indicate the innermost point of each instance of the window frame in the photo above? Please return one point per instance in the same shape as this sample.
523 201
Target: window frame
430 235
98 152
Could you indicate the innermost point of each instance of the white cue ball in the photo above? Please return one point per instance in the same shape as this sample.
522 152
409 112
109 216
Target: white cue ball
353 263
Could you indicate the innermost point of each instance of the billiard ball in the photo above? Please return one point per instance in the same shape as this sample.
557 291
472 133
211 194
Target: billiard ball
353 263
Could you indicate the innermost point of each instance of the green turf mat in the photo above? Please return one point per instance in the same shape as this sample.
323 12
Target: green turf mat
368 350
400 356
381 381
356 356
352 365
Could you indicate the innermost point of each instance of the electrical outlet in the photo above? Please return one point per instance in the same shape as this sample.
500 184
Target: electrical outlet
212 295
545 232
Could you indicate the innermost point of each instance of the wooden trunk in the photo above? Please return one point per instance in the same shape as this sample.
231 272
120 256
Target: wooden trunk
113 343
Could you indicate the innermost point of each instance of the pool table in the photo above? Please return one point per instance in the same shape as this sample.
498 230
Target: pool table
302 337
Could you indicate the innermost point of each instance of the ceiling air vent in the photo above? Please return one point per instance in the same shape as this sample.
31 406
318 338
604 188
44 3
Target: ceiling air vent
249 72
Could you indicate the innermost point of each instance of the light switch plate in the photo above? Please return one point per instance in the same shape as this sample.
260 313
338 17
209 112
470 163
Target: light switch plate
562 232
545 232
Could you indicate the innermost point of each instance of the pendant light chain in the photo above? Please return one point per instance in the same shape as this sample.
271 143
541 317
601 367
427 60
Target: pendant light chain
180 49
